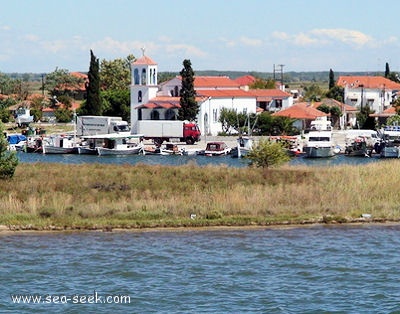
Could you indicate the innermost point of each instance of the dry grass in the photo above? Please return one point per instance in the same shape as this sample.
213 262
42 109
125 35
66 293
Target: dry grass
94 196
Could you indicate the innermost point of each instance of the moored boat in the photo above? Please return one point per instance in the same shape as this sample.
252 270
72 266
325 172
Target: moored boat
120 144
244 145
358 147
389 146
215 149
60 144
319 143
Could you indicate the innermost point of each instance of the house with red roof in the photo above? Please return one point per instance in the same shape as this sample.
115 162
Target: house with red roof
377 92
303 113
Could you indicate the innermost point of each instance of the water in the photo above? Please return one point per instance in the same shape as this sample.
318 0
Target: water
319 269
183 160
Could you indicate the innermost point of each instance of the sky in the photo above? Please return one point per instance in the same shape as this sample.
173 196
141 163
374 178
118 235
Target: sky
40 36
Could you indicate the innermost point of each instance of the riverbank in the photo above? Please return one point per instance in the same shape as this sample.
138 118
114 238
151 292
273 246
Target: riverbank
64 197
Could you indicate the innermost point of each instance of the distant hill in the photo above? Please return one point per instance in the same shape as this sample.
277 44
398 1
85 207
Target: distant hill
288 77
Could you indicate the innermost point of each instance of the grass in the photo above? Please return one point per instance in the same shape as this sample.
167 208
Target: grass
45 196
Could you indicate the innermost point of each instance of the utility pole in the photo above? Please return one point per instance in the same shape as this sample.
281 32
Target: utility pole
280 68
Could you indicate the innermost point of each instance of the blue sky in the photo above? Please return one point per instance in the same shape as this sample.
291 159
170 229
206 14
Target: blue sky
304 35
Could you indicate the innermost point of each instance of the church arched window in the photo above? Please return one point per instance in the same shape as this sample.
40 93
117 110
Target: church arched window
139 98
170 114
136 76
143 77
154 115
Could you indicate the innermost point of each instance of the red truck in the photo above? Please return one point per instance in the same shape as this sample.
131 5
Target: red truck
169 131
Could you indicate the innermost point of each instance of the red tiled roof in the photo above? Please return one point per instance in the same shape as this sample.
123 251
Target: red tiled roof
367 82
391 111
245 80
301 111
162 102
79 75
224 93
145 60
268 94
334 102
214 82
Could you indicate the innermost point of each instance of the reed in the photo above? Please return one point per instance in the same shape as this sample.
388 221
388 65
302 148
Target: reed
92 196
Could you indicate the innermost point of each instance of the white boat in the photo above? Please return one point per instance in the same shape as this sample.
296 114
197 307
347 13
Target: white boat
60 144
244 145
120 144
166 150
16 142
389 147
215 149
319 142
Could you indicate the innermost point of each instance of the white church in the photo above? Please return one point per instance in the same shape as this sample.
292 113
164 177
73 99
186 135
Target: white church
150 101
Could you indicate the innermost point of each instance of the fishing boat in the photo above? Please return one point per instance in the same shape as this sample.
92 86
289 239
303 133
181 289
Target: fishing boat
165 150
120 144
358 147
215 149
319 142
60 144
244 145
389 146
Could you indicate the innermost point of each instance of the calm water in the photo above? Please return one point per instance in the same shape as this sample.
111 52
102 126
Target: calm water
320 269
182 160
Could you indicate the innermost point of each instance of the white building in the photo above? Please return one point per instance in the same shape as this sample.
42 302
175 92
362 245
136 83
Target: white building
375 91
213 93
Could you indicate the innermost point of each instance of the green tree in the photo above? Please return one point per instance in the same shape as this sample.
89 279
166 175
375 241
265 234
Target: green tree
263 84
331 79
313 93
189 107
393 76
336 92
116 74
282 126
228 119
116 103
264 123
267 154
393 120
63 115
61 82
364 121
93 105
8 159
387 70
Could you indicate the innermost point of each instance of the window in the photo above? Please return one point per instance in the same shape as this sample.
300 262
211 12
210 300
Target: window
353 101
140 96
143 77
170 114
154 115
136 76
370 102
215 115
176 91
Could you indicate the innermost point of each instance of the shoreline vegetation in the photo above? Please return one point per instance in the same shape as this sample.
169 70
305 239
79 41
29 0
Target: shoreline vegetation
66 197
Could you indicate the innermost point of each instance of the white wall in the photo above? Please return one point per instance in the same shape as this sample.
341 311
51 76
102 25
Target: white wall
380 99
211 108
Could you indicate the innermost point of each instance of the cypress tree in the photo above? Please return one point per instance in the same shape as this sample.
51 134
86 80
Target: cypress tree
387 70
93 103
331 79
189 107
